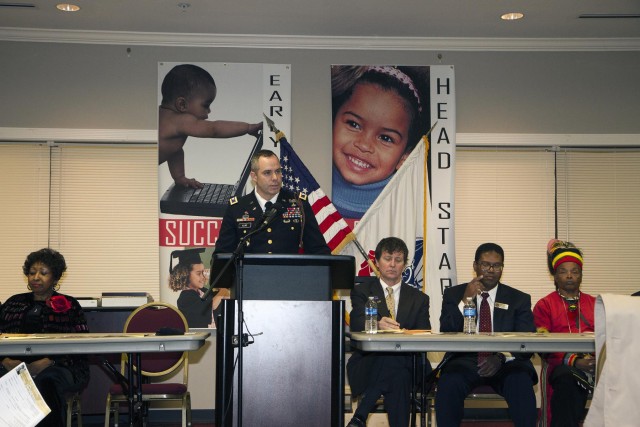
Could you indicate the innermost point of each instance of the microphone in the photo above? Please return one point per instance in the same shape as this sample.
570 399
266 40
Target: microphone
271 210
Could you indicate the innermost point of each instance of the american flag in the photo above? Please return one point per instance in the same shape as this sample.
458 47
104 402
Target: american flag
297 179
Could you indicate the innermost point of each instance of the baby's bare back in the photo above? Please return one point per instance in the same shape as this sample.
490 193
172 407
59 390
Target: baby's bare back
170 139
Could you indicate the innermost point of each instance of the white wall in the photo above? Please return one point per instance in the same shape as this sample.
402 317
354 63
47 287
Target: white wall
51 85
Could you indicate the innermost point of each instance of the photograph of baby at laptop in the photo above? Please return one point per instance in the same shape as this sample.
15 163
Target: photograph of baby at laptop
187 93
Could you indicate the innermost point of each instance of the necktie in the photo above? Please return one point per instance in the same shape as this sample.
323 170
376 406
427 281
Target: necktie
391 303
485 322
267 206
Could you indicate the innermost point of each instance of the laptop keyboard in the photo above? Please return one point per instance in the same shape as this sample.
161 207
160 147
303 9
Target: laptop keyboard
213 193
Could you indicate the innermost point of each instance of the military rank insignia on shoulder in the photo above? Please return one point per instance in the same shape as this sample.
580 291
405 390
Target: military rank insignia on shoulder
233 200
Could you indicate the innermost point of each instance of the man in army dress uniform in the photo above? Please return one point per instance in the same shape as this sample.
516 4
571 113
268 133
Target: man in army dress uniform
294 228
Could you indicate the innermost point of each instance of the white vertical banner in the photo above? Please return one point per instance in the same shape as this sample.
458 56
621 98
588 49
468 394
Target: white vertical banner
441 271
276 101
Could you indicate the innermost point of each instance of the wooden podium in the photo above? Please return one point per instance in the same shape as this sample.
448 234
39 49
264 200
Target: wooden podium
293 366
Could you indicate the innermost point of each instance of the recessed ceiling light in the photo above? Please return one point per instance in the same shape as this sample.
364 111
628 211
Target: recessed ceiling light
67 7
512 16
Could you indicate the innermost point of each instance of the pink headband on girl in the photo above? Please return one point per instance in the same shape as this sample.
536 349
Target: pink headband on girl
400 76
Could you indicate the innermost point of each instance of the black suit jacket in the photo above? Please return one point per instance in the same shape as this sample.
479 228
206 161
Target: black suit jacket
516 317
413 313
282 236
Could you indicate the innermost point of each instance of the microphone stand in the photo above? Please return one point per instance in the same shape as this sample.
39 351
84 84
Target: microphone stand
239 253
237 257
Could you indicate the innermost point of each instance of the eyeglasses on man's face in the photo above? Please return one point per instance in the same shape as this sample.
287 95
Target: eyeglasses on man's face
486 266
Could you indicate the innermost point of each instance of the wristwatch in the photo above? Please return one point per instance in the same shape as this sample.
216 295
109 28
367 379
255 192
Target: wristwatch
502 357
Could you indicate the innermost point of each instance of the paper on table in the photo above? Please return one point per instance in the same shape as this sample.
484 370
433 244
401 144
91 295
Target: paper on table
22 404
417 331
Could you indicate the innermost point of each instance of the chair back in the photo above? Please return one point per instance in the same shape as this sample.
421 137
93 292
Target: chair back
149 318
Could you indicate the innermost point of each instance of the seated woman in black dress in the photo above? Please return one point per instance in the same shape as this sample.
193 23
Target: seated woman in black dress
44 310
188 276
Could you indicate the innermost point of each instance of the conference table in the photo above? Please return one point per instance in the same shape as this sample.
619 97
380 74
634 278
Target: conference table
512 342
133 344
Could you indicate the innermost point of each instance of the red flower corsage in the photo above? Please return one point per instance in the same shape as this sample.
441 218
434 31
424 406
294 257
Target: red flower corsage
59 304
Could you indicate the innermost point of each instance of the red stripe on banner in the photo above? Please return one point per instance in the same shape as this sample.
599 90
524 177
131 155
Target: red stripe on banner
333 218
320 204
337 239
189 232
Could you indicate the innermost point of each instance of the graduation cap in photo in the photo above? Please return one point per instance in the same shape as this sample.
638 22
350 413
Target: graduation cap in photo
186 257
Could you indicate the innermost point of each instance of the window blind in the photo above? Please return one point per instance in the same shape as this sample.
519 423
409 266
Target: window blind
598 205
24 210
505 196
96 204
104 218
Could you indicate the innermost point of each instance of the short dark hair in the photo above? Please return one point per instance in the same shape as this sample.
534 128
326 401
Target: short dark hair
49 257
391 245
182 80
257 155
489 247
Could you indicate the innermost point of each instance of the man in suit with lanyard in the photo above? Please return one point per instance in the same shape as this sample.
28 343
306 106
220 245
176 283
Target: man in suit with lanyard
292 229
399 306
500 308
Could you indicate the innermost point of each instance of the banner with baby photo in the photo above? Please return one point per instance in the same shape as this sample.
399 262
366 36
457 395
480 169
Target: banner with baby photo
394 135
210 121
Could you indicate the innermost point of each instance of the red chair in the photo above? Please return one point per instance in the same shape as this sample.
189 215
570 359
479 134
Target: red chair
150 318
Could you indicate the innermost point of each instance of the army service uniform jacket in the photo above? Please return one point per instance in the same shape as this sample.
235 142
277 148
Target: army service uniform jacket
293 230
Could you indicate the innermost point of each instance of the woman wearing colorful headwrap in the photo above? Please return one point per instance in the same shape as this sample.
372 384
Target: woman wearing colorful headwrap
569 376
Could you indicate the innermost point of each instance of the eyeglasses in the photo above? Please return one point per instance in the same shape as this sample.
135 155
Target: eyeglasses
486 266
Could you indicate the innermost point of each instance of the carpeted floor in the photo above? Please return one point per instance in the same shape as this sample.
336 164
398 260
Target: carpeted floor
464 424
385 424
375 420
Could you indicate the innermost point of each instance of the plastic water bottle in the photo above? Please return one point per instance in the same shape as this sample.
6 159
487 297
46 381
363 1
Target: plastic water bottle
469 313
371 316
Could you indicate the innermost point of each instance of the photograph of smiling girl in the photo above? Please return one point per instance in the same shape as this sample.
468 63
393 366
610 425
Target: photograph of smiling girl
380 113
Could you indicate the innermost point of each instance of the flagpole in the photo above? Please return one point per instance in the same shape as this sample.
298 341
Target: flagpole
425 198
425 210
372 265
